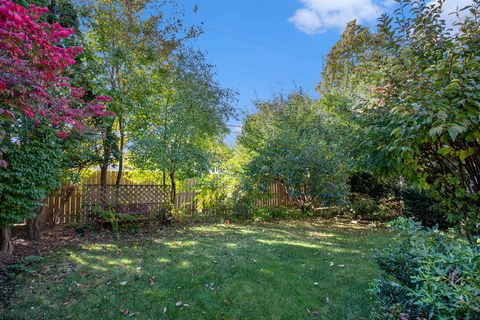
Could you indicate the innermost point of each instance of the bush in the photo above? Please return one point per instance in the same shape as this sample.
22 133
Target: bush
421 206
427 274
367 208
365 183
362 206
267 213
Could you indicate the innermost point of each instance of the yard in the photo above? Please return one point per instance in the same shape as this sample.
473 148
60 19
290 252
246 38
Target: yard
278 270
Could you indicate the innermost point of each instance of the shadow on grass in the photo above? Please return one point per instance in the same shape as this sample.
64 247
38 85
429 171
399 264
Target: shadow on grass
257 271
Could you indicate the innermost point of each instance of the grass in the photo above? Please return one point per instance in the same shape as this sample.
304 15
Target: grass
279 270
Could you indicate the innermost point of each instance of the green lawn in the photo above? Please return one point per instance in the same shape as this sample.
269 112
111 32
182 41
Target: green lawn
279 270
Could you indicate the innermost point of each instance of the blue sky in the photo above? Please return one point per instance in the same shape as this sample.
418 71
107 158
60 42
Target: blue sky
264 46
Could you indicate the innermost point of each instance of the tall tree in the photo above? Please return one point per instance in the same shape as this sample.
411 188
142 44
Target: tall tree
37 104
183 118
294 142
124 38
423 120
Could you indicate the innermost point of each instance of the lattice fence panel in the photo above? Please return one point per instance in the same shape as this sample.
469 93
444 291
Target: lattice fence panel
151 200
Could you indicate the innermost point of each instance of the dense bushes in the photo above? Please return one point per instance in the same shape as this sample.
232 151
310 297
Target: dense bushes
267 213
365 207
363 182
427 274
421 206
371 199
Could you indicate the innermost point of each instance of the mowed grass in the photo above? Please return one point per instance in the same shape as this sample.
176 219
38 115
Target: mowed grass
279 270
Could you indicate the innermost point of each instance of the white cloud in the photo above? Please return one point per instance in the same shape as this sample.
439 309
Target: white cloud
317 16
451 6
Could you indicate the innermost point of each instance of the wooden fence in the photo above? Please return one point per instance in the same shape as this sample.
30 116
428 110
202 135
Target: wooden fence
277 196
185 199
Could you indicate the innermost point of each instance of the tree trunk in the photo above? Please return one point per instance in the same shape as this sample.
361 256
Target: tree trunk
6 244
33 225
107 152
121 147
173 190
103 174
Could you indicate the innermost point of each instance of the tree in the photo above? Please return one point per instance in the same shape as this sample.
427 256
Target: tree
294 142
124 39
423 120
183 118
351 62
39 107
352 68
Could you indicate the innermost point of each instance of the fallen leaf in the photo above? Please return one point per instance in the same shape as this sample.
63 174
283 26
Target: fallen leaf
179 304
152 281
124 312
164 309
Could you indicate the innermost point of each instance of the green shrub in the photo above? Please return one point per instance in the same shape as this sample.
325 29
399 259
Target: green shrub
362 206
365 183
367 208
27 264
422 207
267 213
427 274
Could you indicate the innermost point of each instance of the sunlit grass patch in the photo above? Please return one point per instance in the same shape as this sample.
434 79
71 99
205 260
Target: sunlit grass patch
281 270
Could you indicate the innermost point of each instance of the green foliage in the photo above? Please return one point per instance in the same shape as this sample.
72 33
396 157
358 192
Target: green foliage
428 274
268 213
34 170
26 264
292 141
421 206
423 121
365 207
351 62
365 183
127 44
180 126
109 215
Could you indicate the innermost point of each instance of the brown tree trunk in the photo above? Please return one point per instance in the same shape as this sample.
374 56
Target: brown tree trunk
33 225
6 244
173 190
107 152
121 147
103 174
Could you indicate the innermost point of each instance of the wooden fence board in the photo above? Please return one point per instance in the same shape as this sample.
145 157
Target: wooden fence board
186 197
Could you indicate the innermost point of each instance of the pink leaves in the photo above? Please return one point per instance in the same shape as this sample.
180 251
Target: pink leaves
103 99
32 70
28 112
62 135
